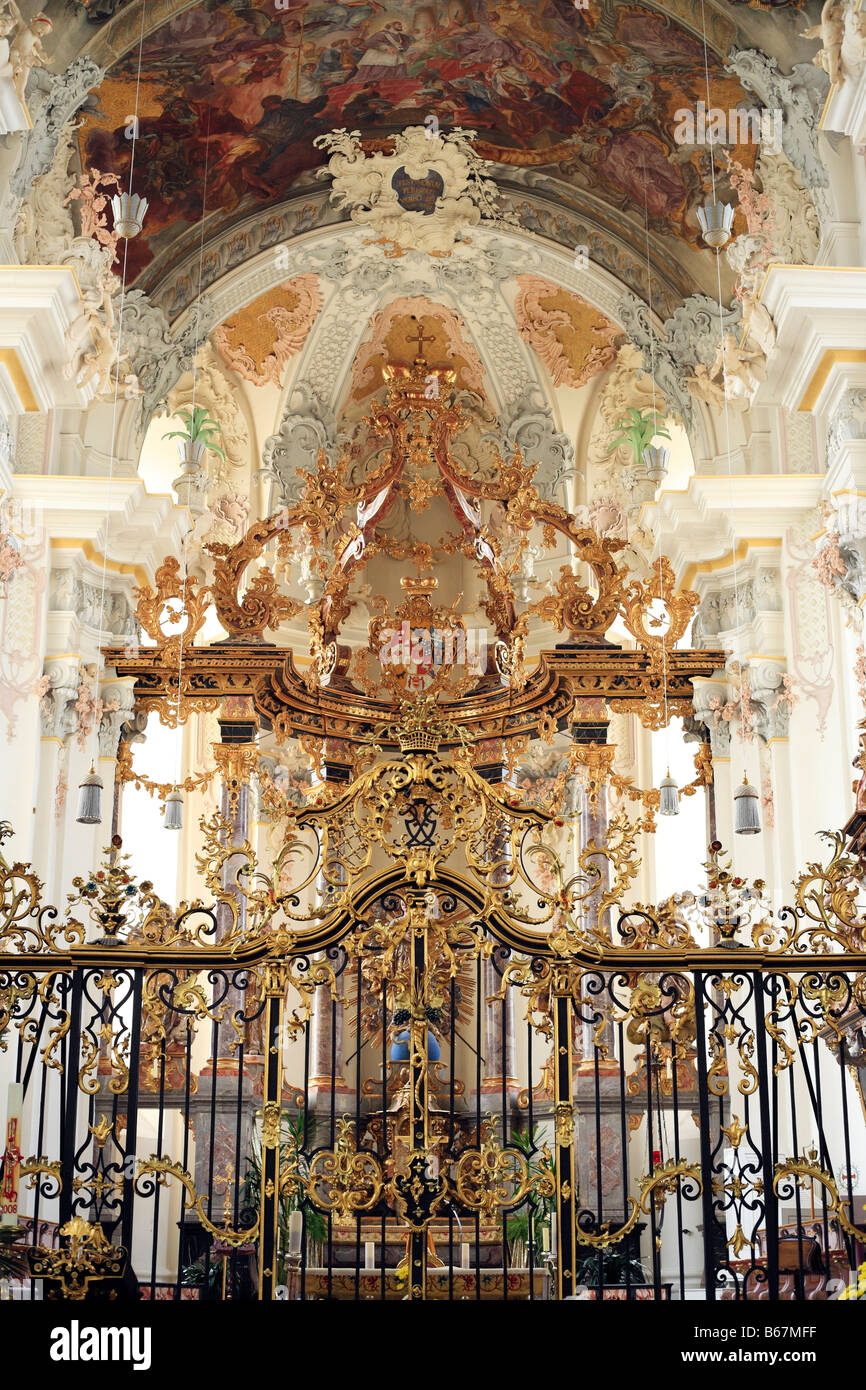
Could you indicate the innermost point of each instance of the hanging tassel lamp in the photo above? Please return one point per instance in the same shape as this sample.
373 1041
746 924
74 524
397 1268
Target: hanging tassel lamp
716 220
129 210
90 799
656 462
747 820
173 819
669 796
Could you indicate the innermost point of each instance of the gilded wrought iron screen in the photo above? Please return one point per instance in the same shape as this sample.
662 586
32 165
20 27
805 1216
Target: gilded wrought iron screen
433 1055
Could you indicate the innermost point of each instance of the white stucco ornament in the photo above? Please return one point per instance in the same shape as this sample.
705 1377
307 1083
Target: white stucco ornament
423 195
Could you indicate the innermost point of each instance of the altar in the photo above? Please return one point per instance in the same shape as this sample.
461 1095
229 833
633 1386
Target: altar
490 1285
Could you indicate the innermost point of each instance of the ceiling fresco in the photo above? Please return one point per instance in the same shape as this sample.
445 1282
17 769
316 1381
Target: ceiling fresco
242 93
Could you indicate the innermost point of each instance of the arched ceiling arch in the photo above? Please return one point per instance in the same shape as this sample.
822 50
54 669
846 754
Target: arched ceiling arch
572 103
356 281
347 281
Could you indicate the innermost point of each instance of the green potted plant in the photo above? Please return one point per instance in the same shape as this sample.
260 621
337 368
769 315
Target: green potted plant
200 433
291 1141
612 1267
637 429
529 1220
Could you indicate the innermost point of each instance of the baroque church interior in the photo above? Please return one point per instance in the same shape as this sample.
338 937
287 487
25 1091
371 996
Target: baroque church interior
433 676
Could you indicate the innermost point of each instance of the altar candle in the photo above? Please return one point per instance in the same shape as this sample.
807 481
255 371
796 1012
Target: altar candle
296 1230
11 1156
464 1255
369 1254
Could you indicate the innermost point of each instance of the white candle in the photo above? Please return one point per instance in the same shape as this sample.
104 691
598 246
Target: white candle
369 1254
296 1230
464 1255
12 1155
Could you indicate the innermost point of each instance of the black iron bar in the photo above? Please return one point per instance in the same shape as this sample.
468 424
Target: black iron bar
160 1115
769 1134
599 1198
530 1126
34 1052
383 1140
478 1007
131 1137
701 1045
820 1111
656 1254
799 1288
358 1120
503 1068
70 1112
185 1161
211 1148
843 1068
678 1153
40 1148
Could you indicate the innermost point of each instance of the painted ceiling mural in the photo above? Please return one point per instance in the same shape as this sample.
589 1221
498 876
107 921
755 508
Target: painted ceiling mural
244 92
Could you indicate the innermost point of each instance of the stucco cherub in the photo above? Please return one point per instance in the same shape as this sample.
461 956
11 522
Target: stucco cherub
831 32
99 364
27 51
742 370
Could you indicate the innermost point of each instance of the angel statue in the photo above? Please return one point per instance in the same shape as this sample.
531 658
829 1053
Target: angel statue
27 52
99 364
831 32
741 369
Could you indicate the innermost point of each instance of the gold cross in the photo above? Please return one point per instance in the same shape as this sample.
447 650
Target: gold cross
420 338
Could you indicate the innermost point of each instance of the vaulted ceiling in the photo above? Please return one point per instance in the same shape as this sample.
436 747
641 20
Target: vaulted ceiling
576 103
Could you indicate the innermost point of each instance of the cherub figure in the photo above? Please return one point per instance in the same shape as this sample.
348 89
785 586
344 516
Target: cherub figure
10 19
702 386
99 364
757 321
735 365
831 32
27 51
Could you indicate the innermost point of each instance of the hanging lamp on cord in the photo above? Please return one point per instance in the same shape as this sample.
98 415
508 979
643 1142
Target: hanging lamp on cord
173 812
91 789
173 819
715 217
129 208
747 818
655 458
90 799
669 796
